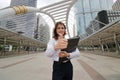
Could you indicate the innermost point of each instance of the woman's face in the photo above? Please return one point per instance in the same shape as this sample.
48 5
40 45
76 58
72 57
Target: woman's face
60 30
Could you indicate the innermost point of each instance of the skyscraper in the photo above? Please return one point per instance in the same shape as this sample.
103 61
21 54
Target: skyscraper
86 11
42 30
116 5
25 23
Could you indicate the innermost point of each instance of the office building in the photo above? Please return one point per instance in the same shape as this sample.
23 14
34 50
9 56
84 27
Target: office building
86 11
42 31
116 5
24 23
103 18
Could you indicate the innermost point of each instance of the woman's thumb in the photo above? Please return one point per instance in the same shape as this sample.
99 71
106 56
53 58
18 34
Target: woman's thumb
60 36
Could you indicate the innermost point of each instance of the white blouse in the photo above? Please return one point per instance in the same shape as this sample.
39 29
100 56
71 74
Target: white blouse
50 52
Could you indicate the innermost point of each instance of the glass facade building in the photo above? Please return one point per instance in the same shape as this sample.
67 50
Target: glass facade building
42 30
86 11
25 23
116 6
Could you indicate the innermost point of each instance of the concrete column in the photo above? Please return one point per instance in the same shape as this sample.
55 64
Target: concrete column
19 46
28 47
4 45
92 45
116 43
100 41
107 47
119 48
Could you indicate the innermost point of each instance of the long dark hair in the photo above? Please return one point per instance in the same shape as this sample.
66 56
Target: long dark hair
55 35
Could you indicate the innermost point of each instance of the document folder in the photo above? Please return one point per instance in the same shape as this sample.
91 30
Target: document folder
72 44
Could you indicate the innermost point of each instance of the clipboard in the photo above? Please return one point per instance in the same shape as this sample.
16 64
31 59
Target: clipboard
72 44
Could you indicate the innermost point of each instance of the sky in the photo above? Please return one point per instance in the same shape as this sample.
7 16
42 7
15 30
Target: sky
4 3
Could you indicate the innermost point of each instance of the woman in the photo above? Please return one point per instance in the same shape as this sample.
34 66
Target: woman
61 71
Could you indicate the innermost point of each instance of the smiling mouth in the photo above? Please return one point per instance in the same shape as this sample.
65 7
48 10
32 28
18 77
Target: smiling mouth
61 32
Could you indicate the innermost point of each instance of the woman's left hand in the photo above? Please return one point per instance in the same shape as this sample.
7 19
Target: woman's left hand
63 54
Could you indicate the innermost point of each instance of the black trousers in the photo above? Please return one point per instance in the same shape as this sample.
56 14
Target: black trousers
62 71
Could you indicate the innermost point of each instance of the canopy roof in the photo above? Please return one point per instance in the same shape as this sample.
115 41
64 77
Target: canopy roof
10 37
107 34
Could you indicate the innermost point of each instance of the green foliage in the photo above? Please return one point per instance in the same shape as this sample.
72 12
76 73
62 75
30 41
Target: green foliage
1 47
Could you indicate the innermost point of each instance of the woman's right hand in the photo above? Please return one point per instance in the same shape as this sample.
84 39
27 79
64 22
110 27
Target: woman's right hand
61 44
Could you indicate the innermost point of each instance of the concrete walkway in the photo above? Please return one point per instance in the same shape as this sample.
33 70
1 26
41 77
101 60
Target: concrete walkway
39 67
